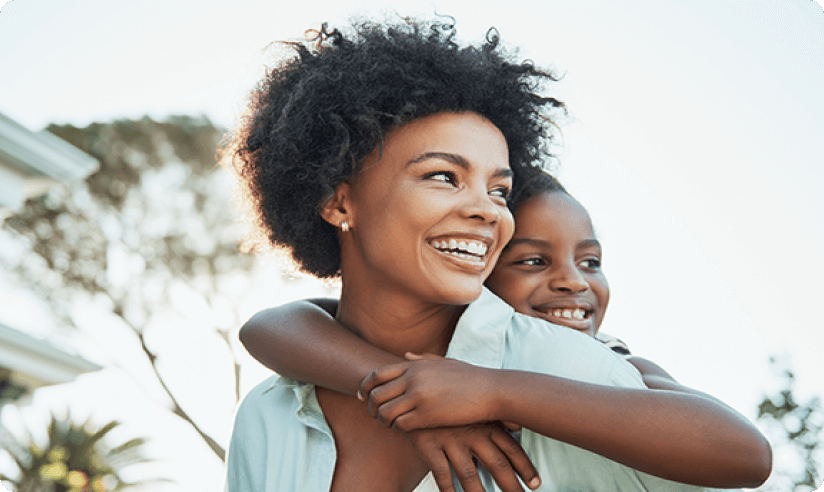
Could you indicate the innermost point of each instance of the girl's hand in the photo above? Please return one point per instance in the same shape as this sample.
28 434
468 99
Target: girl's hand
493 448
429 391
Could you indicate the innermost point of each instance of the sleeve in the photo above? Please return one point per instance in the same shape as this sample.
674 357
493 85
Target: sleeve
615 344
249 445
566 353
245 459
550 349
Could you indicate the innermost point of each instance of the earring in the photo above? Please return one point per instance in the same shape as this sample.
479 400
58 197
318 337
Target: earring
344 226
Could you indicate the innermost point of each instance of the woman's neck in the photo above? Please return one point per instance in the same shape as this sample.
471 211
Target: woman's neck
396 323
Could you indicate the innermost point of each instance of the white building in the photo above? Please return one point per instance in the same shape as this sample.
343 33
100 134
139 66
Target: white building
30 162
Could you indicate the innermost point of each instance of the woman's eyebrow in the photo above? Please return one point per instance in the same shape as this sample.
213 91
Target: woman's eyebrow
458 160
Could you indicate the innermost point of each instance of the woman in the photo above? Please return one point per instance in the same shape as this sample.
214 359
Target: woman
407 145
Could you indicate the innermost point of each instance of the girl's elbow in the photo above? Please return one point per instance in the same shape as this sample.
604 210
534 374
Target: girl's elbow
248 331
242 335
759 465
765 463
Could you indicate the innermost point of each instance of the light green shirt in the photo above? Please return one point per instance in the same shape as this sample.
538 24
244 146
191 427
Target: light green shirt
281 441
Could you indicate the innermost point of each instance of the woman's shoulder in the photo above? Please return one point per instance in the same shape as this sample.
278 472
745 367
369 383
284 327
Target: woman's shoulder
537 345
272 395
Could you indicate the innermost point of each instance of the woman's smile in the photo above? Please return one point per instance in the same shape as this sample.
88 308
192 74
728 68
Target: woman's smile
428 212
464 249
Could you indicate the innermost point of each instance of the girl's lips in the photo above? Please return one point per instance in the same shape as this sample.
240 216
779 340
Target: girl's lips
584 326
576 316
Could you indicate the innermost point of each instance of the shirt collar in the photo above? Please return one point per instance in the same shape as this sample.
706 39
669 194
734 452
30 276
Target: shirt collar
480 335
308 409
479 339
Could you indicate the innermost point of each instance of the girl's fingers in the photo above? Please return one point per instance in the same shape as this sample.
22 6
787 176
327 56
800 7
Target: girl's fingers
383 394
439 466
511 426
407 421
388 413
497 464
517 459
378 377
465 469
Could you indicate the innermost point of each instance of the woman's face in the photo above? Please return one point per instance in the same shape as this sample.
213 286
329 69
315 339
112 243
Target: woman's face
552 267
428 216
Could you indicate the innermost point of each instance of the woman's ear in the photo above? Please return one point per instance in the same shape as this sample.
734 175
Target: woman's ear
338 210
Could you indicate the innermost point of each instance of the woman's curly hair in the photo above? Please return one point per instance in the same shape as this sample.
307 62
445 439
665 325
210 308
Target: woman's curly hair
313 119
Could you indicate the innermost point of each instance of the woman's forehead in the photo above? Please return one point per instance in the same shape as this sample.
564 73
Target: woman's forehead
462 139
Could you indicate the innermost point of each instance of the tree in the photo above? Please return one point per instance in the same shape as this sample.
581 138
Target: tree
73 459
795 428
152 225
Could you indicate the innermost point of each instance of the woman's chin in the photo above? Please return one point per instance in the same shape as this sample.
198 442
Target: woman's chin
460 295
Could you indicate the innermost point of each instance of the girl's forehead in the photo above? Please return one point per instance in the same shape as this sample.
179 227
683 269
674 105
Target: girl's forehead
554 203
550 212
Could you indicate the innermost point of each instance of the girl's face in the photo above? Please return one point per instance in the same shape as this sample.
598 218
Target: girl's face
551 269
428 215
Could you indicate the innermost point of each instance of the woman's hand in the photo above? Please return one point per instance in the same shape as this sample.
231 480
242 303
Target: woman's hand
429 391
493 448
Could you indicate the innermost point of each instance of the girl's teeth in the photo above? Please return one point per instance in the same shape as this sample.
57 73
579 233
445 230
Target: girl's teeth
462 246
453 244
577 313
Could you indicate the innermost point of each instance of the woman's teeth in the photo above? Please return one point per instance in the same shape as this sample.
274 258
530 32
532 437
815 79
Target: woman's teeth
468 250
569 313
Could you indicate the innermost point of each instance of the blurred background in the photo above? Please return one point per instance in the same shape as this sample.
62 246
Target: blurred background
694 139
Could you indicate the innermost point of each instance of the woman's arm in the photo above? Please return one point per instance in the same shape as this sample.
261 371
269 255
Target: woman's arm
685 437
301 340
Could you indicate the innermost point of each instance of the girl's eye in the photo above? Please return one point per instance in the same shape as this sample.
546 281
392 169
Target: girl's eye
531 262
592 263
443 176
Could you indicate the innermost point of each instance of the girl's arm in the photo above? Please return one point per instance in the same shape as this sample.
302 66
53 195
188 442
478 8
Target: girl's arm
681 436
655 377
302 340
685 437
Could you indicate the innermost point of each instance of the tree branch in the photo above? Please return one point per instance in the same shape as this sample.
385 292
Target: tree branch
177 409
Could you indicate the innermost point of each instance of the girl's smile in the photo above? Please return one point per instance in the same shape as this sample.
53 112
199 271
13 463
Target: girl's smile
552 267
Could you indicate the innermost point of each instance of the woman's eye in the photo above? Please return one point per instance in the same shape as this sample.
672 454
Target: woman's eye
502 192
443 176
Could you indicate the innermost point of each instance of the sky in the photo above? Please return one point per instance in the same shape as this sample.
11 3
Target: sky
694 140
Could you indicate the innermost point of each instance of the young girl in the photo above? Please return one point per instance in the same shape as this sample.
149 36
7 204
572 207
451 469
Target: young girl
551 269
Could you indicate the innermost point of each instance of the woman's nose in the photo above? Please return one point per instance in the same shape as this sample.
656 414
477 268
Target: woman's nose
481 206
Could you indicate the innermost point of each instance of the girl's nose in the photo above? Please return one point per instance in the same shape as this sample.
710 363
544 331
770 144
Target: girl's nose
568 278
